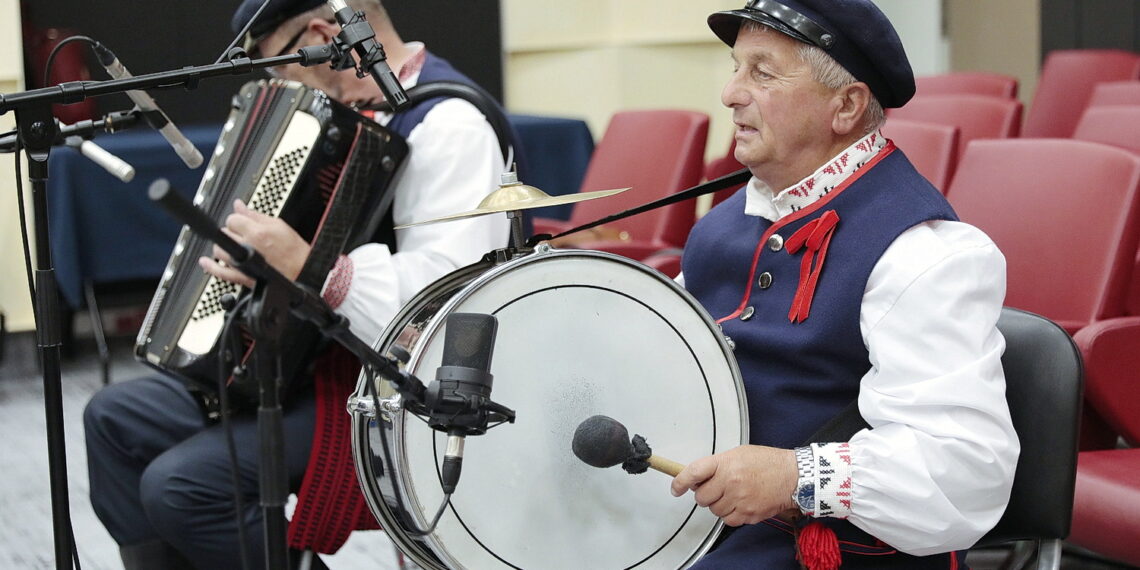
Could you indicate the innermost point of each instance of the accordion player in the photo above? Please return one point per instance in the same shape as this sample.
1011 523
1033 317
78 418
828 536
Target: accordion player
290 152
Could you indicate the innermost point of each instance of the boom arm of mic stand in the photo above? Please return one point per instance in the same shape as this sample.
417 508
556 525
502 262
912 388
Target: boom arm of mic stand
302 302
85 129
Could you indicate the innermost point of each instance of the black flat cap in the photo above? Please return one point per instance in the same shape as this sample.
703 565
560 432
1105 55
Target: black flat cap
853 32
275 12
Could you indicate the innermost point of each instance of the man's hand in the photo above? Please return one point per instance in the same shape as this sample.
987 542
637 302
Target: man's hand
271 237
744 485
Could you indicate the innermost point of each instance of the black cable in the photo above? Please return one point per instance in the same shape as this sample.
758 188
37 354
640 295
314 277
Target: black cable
370 390
24 233
55 50
75 550
241 34
227 428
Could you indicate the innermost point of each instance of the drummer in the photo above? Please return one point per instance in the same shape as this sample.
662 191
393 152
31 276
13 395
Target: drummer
160 475
842 275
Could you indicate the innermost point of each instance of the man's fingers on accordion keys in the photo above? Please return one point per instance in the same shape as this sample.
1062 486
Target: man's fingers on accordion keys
223 271
241 208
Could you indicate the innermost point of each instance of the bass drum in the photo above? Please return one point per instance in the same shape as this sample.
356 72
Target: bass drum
579 333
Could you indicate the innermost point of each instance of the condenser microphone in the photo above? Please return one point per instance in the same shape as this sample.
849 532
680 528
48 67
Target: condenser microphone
459 398
150 111
602 441
358 35
116 166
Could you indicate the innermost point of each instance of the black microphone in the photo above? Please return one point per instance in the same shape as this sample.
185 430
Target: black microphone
460 395
357 34
149 108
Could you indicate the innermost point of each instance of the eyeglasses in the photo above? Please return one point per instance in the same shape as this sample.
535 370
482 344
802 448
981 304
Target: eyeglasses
796 22
289 48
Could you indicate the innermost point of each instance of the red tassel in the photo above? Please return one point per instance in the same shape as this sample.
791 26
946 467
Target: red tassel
818 547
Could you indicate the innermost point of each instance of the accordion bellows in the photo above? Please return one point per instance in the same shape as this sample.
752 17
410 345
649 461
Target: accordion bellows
290 152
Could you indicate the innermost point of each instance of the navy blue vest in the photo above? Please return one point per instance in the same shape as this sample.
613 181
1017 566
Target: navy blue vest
798 376
402 123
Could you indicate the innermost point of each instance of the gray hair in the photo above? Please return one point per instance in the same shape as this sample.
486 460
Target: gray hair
826 71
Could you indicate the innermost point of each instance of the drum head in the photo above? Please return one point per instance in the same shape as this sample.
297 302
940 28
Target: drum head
580 333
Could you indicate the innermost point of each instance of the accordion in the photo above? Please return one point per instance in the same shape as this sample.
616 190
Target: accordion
290 152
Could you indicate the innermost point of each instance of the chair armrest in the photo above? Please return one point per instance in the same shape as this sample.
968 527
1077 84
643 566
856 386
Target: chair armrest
1112 362
666 261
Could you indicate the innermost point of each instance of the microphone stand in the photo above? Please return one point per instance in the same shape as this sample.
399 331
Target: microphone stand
274 297
37 130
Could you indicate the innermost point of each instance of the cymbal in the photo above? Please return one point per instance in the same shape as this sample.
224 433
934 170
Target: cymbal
518 196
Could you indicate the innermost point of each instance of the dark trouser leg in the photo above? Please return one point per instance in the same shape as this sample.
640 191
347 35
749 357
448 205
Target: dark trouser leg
187 492
126 426
157 472
153 555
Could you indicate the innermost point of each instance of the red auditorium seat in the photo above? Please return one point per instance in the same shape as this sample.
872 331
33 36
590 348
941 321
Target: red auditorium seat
656 153
1106 507
931 147
1064 213
1115 93
976 116
1117 125
1106 510
968 82
1067 81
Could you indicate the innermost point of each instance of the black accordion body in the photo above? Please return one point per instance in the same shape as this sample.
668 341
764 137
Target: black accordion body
290 152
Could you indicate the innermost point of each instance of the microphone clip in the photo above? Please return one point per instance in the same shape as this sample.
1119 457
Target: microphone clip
356 35
460 404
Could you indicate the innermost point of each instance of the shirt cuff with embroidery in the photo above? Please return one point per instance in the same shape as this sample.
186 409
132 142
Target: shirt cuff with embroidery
338 282
832 479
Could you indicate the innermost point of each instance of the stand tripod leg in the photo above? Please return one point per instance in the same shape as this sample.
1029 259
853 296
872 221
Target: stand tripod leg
97 329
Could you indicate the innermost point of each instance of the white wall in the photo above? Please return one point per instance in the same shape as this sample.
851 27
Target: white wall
919 24
14 297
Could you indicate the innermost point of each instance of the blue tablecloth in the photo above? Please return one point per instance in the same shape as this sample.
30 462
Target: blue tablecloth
557 152
104 230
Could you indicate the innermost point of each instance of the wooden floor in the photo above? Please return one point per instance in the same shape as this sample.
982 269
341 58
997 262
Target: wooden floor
26 541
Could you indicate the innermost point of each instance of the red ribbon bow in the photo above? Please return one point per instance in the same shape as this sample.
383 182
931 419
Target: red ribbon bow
815 235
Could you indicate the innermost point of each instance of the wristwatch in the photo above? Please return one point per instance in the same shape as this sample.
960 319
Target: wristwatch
804 495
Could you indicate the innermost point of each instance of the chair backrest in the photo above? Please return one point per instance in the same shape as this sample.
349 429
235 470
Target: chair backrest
655 153
967 83
976 116
1064 213
1115 93
1043 379
932 148
1117 125
722 166
1067 81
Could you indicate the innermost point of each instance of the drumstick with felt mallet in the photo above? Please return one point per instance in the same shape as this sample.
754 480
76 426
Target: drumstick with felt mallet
602 441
